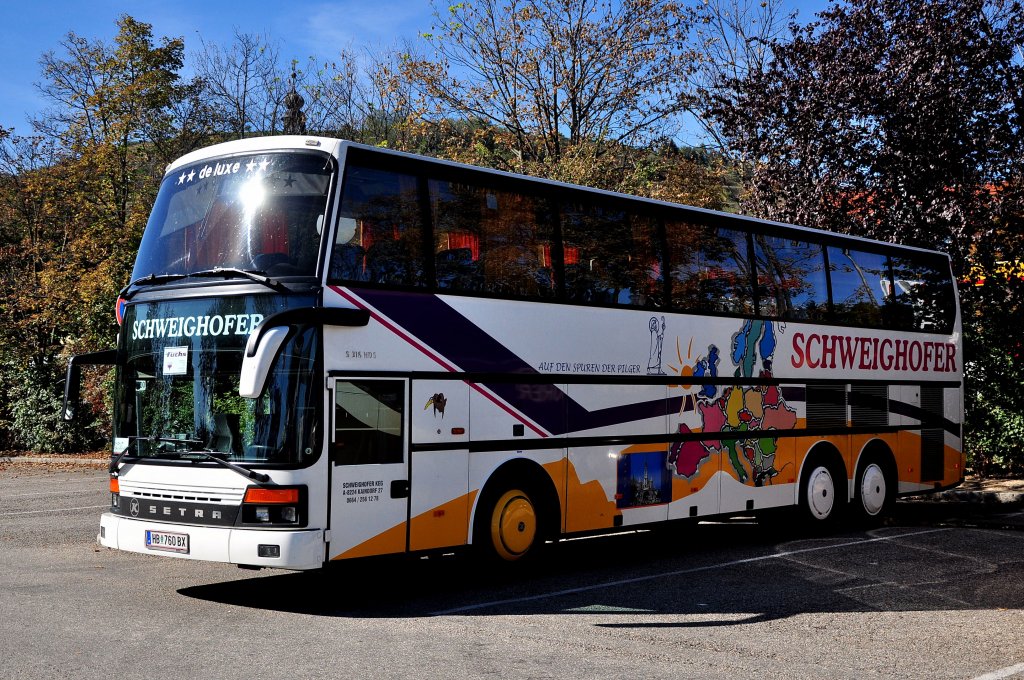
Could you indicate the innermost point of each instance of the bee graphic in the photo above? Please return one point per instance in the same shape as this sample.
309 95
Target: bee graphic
438 401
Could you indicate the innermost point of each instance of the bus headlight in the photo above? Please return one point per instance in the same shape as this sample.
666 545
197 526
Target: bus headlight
274 506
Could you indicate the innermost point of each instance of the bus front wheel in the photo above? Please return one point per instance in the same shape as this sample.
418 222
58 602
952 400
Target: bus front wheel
512 528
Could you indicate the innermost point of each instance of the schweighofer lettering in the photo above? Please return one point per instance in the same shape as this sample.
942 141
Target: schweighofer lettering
195 326
872 354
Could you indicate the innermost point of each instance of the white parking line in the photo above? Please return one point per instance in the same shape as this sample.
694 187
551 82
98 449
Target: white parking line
1007 672
39 512
60 492
678 572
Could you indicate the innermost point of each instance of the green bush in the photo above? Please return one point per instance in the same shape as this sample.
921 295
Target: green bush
32 418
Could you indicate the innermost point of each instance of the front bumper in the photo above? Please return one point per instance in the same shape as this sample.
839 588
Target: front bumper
299 549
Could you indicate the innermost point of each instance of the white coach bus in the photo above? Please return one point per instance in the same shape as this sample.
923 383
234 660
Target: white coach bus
330 351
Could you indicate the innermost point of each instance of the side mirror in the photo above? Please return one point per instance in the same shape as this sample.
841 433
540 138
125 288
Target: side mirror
266 340
260 353
73 378
72 391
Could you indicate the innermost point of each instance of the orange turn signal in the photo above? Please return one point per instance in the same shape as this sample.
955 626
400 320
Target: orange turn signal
271 496
115 486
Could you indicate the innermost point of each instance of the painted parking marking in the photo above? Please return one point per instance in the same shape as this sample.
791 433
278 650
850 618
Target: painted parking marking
678 572
1007 672
40 512
62 492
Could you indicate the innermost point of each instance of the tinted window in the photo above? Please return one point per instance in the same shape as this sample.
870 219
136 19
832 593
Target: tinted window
491 241
709 268
611 256
791 282
924 298
860 286
368 422
379 238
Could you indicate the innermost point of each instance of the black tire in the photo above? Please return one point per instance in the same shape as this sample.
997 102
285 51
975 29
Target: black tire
823 493
874 491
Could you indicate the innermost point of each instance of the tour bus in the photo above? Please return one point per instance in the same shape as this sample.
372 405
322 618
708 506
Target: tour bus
330 351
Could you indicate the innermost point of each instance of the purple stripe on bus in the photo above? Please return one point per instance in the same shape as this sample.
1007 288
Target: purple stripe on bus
462 342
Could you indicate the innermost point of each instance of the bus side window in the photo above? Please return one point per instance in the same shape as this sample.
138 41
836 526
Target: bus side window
923 296
488 240
861 286
379 232
368 422
683 246
611 256
791 282
710 269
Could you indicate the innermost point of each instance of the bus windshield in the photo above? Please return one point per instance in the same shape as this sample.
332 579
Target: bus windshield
260 212
179 364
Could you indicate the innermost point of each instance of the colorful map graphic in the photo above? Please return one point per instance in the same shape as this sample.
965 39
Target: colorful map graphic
743 415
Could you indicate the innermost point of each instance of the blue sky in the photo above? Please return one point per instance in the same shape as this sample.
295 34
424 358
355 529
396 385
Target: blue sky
302 28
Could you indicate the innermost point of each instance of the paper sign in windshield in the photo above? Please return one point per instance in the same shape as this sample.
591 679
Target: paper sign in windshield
175 360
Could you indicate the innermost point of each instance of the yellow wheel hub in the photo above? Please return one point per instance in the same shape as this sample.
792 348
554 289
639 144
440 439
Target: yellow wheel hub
513 525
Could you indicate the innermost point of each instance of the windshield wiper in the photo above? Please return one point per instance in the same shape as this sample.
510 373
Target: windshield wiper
227 272
234 272
153 439
149 280
213 455
188 455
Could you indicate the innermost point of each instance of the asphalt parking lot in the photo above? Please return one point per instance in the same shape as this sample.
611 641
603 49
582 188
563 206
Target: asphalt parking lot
938 592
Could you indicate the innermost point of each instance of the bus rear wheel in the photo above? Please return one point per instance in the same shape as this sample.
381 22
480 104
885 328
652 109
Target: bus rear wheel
512 528
874 491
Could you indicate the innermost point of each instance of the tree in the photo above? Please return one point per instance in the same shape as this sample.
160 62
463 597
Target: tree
552 74
734 41
74 198
330 91
887 119
387 97
244 84
902 121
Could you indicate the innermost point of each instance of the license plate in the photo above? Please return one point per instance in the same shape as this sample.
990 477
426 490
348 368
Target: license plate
167 540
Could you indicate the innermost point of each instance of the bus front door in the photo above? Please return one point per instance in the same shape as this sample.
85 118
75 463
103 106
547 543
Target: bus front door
369 467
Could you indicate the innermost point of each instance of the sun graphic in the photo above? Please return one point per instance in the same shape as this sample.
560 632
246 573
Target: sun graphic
684 370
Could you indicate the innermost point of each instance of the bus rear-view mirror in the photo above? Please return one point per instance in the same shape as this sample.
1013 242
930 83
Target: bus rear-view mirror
258 359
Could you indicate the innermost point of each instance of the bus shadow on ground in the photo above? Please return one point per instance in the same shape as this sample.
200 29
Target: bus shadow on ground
722 574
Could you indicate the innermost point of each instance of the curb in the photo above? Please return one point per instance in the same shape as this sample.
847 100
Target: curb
987 497
48 459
